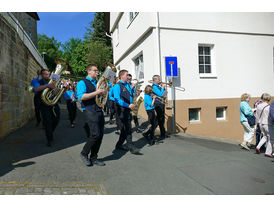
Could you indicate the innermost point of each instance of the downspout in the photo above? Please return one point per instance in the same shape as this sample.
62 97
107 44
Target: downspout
158 42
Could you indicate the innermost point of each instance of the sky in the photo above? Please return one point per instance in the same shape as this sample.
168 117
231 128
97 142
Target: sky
64 25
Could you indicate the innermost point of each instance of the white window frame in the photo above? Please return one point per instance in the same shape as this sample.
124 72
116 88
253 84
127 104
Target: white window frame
213 73
199 115
137 70
134 16
224 113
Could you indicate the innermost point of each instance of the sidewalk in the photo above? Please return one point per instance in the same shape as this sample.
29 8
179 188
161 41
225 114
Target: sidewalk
183 164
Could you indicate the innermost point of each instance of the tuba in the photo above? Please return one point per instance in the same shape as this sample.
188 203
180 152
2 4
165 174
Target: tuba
137 101
102 83
51 96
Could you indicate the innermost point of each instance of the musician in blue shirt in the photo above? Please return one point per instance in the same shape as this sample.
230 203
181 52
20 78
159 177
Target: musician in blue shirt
159 91
71 98
36 98
50 114
86 92
123 96
149 101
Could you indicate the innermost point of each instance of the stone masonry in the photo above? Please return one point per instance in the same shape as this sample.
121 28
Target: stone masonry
17 68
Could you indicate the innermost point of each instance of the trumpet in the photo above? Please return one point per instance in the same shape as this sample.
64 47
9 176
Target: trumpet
167 83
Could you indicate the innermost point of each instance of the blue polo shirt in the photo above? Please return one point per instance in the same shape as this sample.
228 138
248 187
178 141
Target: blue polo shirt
111 94
148 101
81 87
33 82
158 90
68 94
117 94
37 84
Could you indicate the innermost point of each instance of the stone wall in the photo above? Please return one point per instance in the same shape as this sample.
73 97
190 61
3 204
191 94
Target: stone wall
17 68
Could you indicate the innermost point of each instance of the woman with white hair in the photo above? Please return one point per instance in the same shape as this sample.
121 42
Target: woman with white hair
265 122
245 113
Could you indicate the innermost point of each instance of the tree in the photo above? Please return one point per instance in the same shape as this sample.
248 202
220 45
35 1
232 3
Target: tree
51 47
78 61
69 47
96 32
99 54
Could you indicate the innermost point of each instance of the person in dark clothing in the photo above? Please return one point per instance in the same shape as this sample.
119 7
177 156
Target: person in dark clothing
50 114
71 99
86 92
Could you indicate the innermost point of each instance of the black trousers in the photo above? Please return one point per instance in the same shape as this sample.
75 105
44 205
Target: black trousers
37 102
160 111
111 109
95 121
153 123
51 117
135 119
124 115
118 120
106 106
71 106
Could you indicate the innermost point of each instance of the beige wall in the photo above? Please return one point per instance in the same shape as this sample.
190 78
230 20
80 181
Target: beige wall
17 68
208 126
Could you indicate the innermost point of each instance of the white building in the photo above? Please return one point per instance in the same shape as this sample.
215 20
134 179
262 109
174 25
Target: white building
220 57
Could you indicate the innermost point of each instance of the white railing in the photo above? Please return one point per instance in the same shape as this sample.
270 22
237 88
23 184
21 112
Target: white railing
24 37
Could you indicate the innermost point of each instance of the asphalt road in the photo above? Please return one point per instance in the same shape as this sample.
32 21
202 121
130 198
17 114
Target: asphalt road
183 164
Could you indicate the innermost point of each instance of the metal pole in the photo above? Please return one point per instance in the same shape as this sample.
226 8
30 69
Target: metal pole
173 101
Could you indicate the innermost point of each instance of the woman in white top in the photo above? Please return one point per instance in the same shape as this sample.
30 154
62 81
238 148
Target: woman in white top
265 123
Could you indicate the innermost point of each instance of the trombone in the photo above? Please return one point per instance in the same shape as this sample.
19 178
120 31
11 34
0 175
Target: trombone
170 84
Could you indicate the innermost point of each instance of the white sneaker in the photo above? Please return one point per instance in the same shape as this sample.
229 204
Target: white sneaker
245 146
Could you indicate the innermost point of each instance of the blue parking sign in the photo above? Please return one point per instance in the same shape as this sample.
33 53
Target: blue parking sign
171 64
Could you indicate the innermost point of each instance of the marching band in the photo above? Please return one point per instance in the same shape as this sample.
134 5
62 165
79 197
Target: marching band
121 104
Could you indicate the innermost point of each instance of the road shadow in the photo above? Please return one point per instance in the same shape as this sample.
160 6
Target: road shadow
29 142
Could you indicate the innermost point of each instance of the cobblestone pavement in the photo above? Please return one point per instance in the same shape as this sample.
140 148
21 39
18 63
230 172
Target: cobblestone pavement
17 188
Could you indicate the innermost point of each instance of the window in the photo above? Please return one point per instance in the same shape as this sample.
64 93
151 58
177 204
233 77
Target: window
206 68
139 67
132 15
194 115
221 113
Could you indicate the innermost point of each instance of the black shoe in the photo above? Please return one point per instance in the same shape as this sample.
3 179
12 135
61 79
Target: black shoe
117 132
146 136
122 147
97 162
133 149
85 159
138 130
111 121
48 144
151 142
159 140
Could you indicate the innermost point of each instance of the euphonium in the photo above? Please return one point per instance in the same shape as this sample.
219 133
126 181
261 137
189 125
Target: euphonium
102 83
51 96
136 102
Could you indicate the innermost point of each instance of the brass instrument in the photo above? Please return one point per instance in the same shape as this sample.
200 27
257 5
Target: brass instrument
102 83
167 83
51 96
136 102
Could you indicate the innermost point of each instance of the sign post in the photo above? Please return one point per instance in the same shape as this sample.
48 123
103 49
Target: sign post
172 71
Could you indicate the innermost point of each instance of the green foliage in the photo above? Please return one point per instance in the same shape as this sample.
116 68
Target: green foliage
96 32
69 47
78 61
96 48
99 54
51 47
